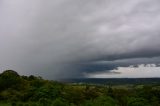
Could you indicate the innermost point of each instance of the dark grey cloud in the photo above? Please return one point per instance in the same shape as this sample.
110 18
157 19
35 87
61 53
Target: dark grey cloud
62 38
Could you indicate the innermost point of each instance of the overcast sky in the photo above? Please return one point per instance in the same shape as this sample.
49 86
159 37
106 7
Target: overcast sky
75 38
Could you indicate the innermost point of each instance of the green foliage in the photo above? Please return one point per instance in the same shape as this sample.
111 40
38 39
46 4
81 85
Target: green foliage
101 101
132 101
44 101
59 102
9 79
91 92
16 90
73 94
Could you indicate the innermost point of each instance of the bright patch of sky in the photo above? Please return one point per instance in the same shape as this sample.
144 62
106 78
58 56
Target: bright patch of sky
141 71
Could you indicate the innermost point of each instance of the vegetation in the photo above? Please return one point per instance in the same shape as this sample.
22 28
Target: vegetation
16 90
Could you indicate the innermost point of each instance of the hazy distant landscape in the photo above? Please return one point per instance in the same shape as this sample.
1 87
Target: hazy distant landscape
114 81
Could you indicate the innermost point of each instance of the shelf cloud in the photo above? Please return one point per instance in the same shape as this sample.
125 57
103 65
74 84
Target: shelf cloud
67 38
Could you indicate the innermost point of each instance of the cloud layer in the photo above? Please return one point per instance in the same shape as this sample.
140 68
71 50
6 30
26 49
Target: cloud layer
63 38
141 71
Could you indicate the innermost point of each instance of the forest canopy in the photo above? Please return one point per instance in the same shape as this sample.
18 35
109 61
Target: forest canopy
17 90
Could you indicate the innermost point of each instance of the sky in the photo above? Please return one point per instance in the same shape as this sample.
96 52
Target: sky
80 38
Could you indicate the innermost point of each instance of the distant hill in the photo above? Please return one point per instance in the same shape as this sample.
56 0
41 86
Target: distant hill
114 81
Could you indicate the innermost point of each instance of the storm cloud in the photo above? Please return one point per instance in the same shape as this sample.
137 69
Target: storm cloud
66 38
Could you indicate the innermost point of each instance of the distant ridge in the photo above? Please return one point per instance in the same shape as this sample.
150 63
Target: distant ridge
114 81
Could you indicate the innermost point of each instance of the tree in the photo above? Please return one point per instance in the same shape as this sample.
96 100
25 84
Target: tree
9 79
